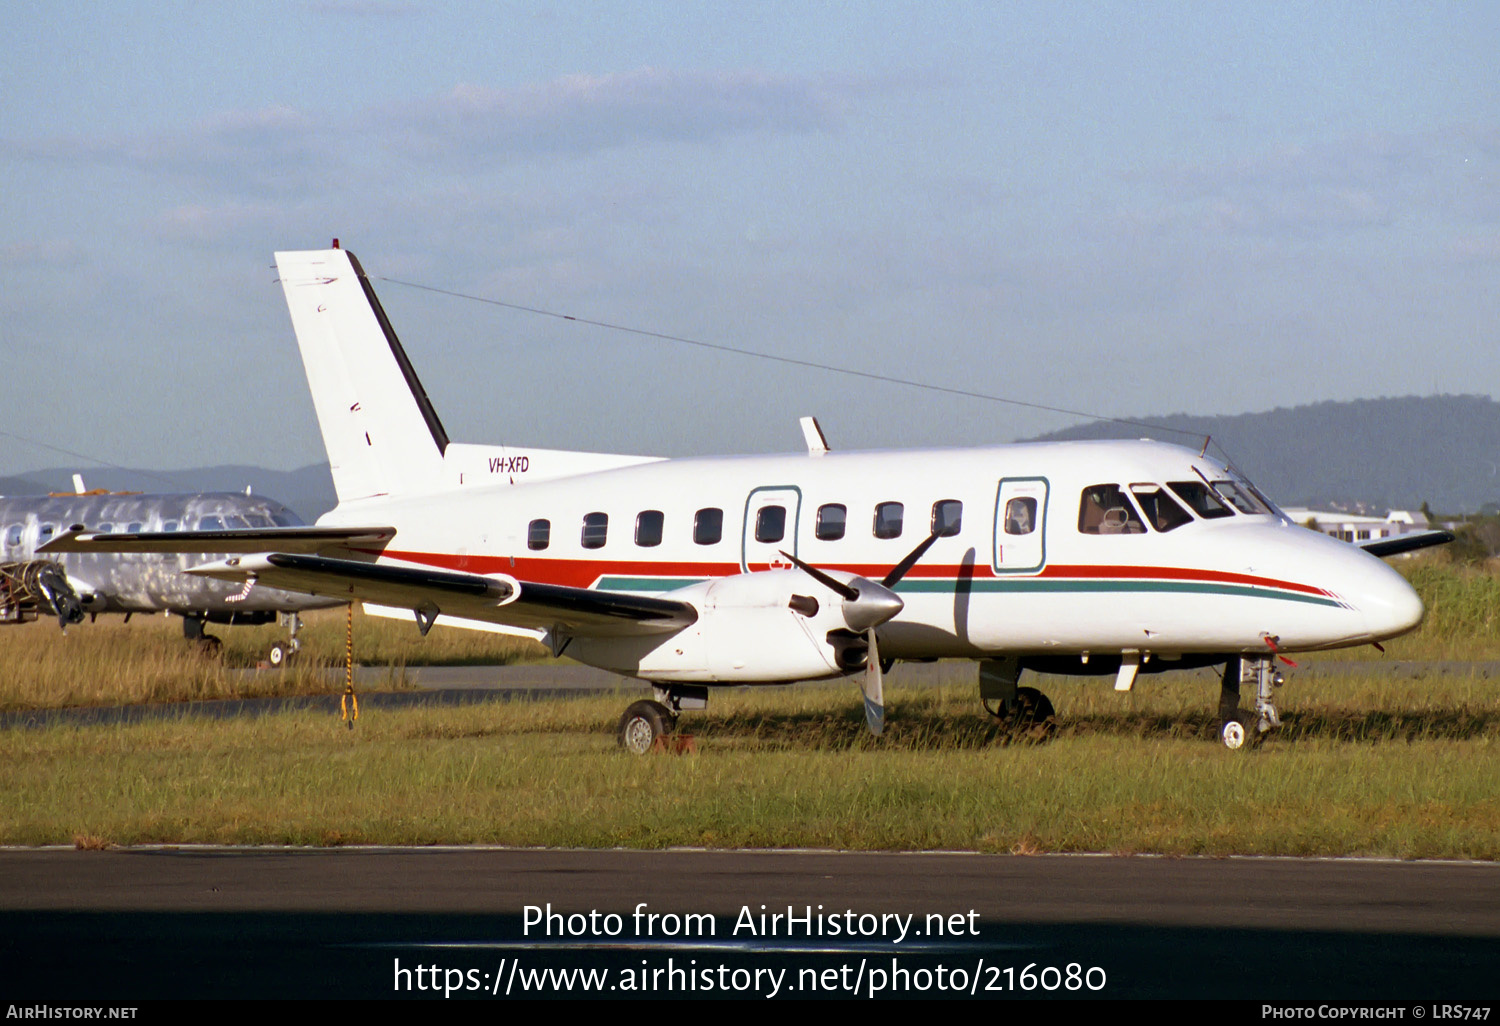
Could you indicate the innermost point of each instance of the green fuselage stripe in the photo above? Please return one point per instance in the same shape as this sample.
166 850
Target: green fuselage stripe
1020 586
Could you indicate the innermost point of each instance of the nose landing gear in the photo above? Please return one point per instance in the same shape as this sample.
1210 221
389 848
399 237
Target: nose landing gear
1239 729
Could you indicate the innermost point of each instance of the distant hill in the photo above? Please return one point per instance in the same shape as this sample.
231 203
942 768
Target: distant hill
1379 453
1382 453
309 490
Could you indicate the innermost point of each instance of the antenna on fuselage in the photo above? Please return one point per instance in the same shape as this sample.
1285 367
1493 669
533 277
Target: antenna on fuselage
812 434
1204 451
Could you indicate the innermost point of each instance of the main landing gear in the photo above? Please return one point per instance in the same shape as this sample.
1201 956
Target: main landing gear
192 629
1239 729
647 720
1025 714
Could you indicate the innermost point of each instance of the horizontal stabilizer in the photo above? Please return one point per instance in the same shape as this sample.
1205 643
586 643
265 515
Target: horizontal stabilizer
498 599
1406 542
249 539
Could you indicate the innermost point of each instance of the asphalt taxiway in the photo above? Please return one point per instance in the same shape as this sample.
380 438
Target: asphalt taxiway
141 924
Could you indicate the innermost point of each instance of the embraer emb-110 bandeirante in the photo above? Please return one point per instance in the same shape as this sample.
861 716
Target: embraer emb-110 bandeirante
1077 557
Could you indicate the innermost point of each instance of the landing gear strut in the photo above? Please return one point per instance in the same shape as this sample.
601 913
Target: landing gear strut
1239 729
282 651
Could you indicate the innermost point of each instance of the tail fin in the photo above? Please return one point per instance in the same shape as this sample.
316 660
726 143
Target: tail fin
382 435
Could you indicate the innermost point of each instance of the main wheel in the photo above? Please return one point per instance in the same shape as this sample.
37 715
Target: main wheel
642 724
1033 718
280 653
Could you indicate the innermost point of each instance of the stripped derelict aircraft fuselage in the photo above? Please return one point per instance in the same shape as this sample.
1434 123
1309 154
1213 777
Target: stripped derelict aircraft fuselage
150 582
1116 557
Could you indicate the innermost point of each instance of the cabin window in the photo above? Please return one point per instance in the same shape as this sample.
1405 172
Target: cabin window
1020 515
708 526
45 532
1200 499
770 524
595 530
136 527
170 525
832 519
1161 512
1104 509
648 528
105 527
13 536
538 534
888 520
947 517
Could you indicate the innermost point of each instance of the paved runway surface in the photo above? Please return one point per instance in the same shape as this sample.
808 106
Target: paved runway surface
142 924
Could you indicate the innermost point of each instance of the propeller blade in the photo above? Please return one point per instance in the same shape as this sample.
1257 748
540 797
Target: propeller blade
839 588
910 561
872 683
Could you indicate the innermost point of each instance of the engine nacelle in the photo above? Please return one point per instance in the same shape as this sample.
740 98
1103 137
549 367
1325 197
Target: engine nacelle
766 626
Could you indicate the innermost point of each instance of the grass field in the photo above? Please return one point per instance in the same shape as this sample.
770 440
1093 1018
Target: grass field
111 662
1363 767
1365 764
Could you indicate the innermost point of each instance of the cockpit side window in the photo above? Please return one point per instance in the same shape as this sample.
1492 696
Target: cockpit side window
1104 509
1200 499
1161 511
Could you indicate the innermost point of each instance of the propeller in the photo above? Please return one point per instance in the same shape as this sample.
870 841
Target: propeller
868 604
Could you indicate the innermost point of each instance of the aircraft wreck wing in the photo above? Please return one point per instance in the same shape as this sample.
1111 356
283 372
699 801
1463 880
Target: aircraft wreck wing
244 539
428 593
1400 543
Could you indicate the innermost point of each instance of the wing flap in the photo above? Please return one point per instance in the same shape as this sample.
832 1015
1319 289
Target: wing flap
428 593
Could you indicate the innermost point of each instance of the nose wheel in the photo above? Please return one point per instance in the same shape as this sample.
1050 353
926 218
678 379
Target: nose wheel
1238 729
281 653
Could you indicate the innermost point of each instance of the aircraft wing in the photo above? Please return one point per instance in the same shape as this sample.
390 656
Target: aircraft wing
1406 542
428 593
242 539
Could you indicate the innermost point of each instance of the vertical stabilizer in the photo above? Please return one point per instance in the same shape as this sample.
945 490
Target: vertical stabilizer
382 434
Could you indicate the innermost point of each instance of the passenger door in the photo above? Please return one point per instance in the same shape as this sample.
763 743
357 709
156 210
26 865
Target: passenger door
1020 522
769 526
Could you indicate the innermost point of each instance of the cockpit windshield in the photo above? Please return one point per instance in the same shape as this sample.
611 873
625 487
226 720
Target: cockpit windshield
1201 498
1241 496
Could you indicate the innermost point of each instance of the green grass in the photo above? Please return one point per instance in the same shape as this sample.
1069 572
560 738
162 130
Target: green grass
1412 777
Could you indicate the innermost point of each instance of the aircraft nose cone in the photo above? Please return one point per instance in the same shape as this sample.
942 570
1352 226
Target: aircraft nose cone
876 604
1390 605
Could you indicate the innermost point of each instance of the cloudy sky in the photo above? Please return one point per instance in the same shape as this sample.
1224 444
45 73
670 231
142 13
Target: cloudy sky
1121 209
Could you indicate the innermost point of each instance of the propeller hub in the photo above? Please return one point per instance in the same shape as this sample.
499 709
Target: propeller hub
873 606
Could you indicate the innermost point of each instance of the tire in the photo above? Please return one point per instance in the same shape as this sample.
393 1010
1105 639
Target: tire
642 724
1034 718
279 655
1239 733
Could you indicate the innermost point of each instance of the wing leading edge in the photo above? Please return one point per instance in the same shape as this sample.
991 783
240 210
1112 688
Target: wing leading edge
1405 542
242 539
428 593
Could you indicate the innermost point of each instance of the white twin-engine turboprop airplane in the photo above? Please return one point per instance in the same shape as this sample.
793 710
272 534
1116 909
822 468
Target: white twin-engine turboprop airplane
1077 557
